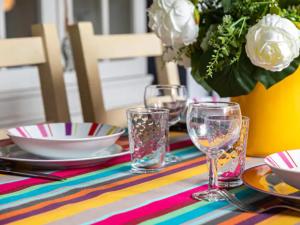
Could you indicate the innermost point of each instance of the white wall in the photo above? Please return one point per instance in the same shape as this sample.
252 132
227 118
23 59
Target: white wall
194 89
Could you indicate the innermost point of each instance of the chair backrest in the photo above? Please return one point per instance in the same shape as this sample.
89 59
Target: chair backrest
88 48
42 50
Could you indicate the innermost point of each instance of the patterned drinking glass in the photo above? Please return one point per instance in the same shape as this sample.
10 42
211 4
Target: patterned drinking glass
231 163
148 137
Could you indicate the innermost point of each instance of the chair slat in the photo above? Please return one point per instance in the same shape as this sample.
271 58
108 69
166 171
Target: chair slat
51 75
127 46
167 73
118 116
21 51
3 134
86 64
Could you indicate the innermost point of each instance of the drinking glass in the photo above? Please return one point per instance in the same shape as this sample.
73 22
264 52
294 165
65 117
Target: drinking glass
231 163
148 135
213 127
171 97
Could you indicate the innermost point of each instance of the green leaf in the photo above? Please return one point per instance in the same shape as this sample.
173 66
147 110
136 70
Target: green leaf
269 78
200 61
226 5
285 3
234 80
197 16
195 2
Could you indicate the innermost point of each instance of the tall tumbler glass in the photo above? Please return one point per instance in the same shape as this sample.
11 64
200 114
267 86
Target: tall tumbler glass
231 163
148 135
171 97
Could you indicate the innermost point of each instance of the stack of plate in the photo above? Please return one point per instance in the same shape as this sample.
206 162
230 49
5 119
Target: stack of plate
280 177
63 144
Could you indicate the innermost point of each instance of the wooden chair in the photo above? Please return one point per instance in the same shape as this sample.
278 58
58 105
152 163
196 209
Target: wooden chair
42 50
88 48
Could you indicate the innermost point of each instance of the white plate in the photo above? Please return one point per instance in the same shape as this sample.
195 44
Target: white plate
261 178
286 165
15 154
65 140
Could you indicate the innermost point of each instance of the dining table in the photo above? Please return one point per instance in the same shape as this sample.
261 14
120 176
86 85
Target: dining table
108 193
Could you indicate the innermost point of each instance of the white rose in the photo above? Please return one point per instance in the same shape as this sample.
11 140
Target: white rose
173 22
273 43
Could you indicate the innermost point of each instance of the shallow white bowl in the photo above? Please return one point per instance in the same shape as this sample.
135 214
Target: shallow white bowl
286 165
65 140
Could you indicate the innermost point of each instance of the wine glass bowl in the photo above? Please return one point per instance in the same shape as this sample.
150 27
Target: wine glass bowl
198 112
171 97
213 127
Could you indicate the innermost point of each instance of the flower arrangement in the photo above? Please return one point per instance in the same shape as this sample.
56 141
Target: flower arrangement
230 44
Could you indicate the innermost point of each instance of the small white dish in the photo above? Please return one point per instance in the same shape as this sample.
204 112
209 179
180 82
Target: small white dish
15 154
65 140
286 165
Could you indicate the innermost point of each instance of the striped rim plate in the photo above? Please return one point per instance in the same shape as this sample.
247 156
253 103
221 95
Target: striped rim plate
66 131
65 140
286 160
262 179
286 165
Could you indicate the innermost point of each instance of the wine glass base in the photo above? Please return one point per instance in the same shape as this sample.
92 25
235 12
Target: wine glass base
170 158
230 183
209 196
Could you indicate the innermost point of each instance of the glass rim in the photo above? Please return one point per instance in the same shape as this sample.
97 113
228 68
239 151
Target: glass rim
244 119
147 110
166 86
227 104
214 118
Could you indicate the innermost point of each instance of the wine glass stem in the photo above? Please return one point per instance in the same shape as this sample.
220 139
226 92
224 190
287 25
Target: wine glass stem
213 172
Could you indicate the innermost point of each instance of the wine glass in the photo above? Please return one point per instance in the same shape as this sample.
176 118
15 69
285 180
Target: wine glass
171 97
213 128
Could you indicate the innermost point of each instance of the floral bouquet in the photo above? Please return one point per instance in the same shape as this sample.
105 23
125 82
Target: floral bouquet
230 44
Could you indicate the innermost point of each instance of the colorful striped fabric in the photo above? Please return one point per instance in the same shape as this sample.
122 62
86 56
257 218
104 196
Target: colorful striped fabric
110 194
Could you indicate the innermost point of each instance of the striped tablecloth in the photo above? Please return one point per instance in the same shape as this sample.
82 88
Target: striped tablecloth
110 194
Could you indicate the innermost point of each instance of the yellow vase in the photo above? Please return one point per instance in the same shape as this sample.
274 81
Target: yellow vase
274 116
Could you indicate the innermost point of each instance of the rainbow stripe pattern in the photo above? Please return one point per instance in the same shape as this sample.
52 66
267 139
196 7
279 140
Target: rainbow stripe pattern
110 194
62 130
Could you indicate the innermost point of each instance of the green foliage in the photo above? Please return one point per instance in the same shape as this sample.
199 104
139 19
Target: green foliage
233 80
287 3
226 43
223 64
255 10
292 13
